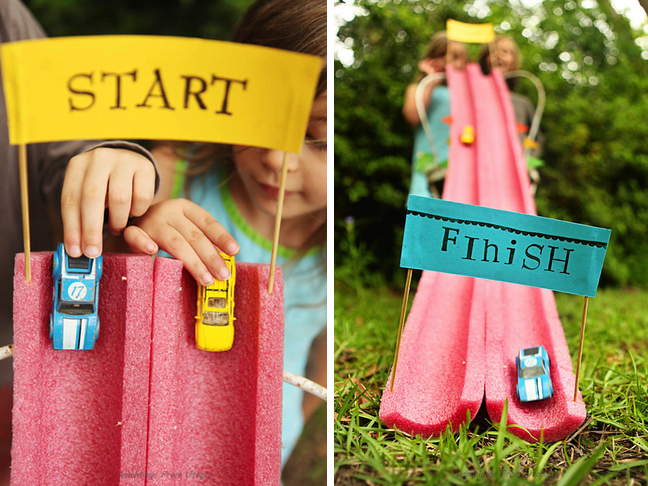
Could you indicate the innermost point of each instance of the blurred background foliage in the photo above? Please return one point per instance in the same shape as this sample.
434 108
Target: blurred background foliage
187 18
595 71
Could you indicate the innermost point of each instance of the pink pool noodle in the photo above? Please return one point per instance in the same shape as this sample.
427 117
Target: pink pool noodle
80 417
517 316
440 373
215 418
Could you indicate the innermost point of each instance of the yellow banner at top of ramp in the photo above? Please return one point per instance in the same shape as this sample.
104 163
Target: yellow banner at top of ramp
150 87
472 33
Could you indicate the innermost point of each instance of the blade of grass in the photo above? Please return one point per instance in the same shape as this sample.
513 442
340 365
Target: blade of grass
581 467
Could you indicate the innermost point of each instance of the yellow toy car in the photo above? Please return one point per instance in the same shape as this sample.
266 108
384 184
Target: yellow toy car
468 135
215 318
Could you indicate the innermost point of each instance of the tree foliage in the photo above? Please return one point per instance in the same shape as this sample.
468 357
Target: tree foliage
188 18
595 153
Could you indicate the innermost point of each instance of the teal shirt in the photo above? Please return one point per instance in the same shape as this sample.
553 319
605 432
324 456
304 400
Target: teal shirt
304 293
438 109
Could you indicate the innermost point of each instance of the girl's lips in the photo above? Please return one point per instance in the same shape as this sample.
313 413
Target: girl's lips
273 191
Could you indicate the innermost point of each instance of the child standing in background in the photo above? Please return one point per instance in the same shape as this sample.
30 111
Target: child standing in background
509 59
437 104
230 201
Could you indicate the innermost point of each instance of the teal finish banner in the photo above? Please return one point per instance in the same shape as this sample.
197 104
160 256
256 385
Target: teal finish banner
481 242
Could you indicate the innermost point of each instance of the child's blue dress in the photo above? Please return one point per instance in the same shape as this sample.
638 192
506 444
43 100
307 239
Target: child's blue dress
422 162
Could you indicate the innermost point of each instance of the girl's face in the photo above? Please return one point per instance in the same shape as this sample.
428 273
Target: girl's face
260 172
506 55
458 55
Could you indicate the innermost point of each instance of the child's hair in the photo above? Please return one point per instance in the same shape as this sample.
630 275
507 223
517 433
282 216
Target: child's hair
437 48
485 61
298 26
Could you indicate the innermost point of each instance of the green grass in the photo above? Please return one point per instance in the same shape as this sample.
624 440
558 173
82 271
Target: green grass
610 448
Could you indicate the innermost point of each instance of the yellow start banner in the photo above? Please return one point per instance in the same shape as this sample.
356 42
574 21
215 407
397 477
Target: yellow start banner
471 33
164 88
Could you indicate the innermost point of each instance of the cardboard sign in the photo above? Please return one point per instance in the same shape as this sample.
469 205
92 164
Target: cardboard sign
148 87
472 33
501 245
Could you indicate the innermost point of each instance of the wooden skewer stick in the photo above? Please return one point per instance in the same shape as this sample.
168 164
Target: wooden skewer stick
6 351
24 199
401 325
277 228
305 384
580 347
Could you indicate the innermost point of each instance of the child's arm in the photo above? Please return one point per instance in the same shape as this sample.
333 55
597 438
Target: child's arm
189 233
427 66
119 180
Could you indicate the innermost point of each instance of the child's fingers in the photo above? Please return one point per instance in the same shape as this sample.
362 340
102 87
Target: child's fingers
70 206
93 195
203 249
215 231
143 188
139 241
120 193
176 244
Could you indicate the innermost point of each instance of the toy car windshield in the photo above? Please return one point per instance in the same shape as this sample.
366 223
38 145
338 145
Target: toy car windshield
532 372
75 309
215 318
217 302
530 351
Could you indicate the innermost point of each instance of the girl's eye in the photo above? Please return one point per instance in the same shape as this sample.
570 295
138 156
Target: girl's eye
318 143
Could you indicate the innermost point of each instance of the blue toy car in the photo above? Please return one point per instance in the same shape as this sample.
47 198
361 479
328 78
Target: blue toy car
534 379
74 323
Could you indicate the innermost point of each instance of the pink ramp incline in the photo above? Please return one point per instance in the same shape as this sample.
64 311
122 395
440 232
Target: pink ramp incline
215 418
440 374
517 316
80 417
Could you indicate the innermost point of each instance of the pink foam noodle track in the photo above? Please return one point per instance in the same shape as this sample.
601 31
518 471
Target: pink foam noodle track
145 406
440 376
462 335
517 316
215 418
80 417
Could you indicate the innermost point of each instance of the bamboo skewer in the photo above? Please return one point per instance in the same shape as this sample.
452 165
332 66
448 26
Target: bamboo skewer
401 325
277 227
580 347
305 384
6 351
24 199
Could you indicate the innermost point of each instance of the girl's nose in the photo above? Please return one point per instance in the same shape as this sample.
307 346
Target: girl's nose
274 159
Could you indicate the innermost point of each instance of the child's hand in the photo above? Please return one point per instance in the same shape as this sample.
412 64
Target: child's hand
119 180
432 66
189 233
